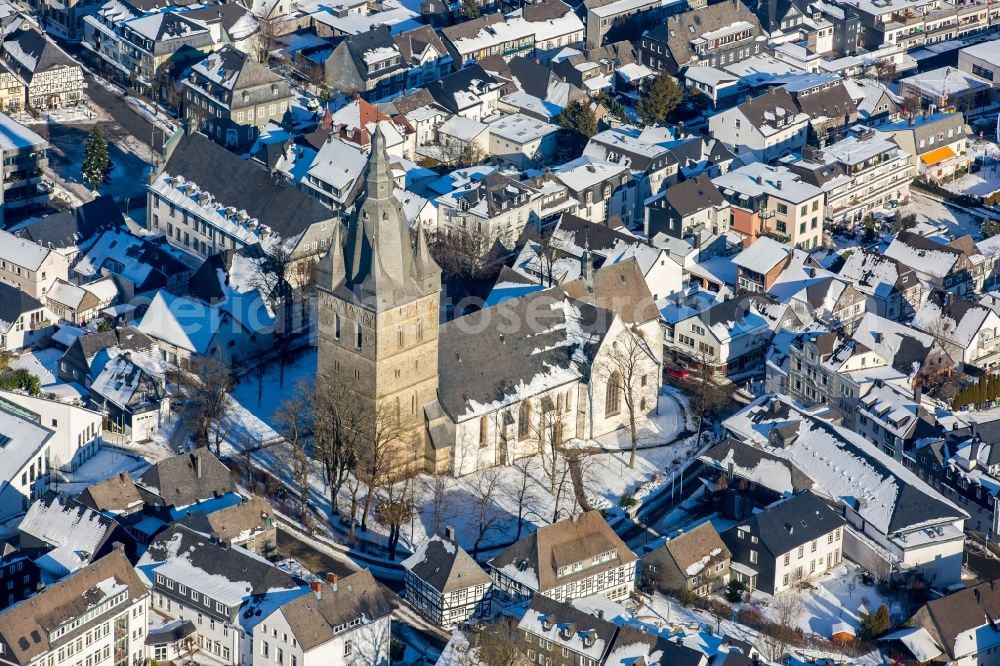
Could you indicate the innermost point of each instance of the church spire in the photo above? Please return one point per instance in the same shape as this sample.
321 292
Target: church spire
330 269
381 268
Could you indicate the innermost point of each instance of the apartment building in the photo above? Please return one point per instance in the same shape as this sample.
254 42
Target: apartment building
494 209
216 588
791 209
31 267
764 128
603 189
492 34
605 15
713 36
573 558
558 634
914 23
859 174
24 158
231 97
938 143
98 614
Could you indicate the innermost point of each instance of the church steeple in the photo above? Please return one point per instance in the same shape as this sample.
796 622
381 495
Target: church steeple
380 266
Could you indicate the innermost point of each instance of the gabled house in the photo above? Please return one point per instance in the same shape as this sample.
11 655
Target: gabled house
231 97
556 631
696 561
24 321
638 645
968 332
575 557
764 128
29 266
369 64
495 209
80 304
176 485
937 265
692 207
115 496
70 232
337 622
791 541
51 78
87 356
132 392
603 189
446 585
759 266
653 164
424 55
892 289
250 525
954 629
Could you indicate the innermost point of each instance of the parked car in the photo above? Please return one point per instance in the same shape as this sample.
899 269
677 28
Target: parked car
678 373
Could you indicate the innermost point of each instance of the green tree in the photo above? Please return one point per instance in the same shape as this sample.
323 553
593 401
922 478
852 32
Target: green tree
471 9
874 624
579 122
659 98
990 228
95 159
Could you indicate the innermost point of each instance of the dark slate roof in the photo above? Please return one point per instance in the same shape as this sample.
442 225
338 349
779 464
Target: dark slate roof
634 646
987 431
445 566
488 364
533 77
176 481
694 149
790 523
245 184
832 102
411 44
963 611
14 303
568 623
76 226
693 195
345 69
215 559
679 30
775 98
204 283
746 457
444 89
86 347
43 52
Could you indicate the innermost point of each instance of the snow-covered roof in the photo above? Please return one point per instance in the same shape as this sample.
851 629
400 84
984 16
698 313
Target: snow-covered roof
75 533
585 172
758 179
843 466
521 129
21 252
15 136
918 641
762 256
462 128
945 81
181 322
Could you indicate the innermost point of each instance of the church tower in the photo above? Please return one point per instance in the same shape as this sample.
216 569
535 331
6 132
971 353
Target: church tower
379 297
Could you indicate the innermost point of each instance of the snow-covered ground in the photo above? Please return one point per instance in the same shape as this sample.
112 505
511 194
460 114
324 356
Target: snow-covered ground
982 183
42 363
839 597
606 473
936 214
105 464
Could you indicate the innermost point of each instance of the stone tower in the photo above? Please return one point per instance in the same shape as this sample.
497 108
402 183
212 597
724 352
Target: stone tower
378 298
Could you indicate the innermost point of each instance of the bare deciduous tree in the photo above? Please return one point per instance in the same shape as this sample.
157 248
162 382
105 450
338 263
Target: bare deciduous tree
334 418
440 505
628 369
521 492
786 609
395 510
497 644
291 420
488 514
381 437
207 386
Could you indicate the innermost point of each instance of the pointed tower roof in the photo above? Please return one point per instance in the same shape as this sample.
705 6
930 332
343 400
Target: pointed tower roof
379 268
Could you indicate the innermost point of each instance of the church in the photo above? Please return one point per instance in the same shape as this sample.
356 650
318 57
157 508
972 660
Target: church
489 387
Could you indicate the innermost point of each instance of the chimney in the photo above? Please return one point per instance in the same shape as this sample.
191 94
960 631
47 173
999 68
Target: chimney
118 546
317 589
331 580
974 452
197 465
449 533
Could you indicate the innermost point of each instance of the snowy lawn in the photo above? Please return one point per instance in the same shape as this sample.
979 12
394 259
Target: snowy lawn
43 363
839 597
934 213
105 464
982 183
605 471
